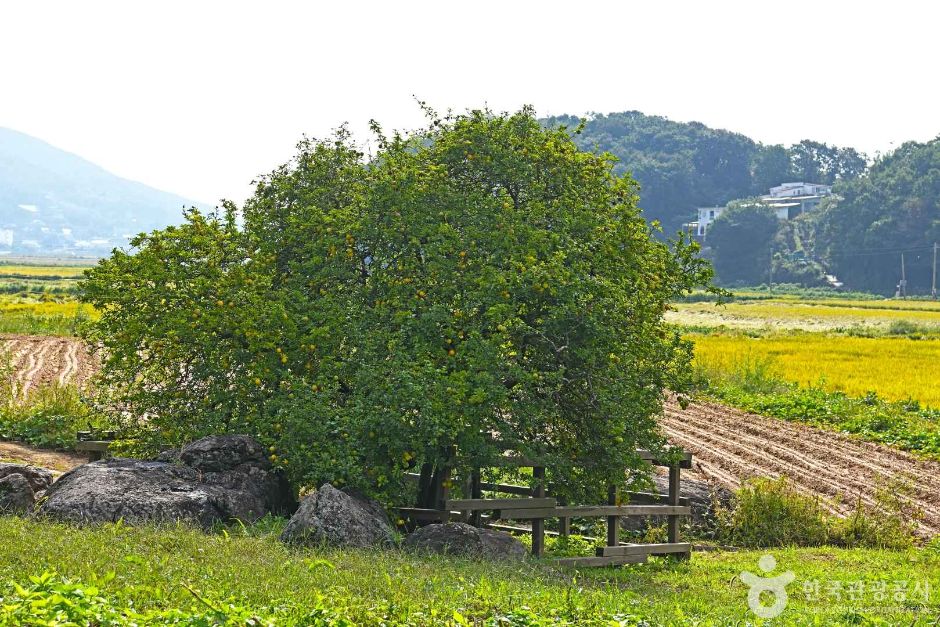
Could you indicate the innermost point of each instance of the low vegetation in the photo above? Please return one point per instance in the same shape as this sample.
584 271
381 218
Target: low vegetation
40 316
771 513
181 575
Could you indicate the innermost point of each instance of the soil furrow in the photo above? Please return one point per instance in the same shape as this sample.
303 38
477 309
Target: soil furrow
731 445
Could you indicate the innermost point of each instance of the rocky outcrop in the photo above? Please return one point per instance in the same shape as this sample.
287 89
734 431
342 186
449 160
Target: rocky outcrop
465 540
215 480
338 518
702 498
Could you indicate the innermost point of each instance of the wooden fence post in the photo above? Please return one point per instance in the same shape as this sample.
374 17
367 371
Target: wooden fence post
476 492
538 524
613 522
674 487
564 523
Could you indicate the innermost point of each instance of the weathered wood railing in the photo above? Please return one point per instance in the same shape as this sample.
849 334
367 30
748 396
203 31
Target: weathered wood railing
537 505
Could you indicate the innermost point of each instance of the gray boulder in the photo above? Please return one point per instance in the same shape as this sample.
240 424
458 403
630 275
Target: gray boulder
215 480
221 453
338 518
465 540
16 495
702 499
39 478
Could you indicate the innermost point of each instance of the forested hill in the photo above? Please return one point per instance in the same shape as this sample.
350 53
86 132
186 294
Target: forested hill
682 165
895 208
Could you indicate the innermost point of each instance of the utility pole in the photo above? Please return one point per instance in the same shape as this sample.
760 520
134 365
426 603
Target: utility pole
771 268
903 284
933 285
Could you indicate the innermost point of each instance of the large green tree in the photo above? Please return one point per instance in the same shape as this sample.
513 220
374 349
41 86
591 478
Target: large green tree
741 239
481 280
872 220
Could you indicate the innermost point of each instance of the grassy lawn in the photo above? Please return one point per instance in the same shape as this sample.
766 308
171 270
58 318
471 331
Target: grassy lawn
158 569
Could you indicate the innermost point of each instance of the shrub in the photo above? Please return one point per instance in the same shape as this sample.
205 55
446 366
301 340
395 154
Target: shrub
481 277
891 523
769 513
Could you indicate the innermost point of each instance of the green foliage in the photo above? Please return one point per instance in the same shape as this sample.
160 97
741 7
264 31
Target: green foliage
890 523
741 238
680 166
50 599
481 276
895 207
770 513
50 417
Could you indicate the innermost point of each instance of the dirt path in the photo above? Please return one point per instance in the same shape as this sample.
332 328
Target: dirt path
38 360
55 461
730 445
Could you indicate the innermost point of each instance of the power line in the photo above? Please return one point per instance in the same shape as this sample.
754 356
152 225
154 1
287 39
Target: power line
881 253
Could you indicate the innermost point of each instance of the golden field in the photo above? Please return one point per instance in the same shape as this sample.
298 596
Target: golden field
41 271
897 368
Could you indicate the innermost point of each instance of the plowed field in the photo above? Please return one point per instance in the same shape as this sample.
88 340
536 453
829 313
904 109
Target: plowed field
729 446
39 360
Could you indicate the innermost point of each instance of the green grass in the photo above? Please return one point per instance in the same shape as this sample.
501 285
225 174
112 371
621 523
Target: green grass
155 569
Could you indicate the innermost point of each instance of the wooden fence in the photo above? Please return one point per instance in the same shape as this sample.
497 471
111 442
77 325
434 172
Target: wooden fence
536 504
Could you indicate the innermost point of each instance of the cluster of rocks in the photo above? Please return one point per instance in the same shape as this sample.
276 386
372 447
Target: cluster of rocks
343 518
216 480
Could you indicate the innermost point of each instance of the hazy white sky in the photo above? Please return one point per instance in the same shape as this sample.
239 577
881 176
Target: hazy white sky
199 97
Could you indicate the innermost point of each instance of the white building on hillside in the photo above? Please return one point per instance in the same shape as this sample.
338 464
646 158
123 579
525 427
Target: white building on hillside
792 199
787 200
706 215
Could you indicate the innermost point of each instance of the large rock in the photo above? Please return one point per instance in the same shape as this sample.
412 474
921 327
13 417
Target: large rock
702 499
465 540
16 495
338 518
215 480
39 478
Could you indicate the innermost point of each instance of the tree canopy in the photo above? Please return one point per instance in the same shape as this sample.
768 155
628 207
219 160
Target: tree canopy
480 280
741 238
894 209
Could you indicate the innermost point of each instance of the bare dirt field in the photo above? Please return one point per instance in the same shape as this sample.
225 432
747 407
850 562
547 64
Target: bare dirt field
41 360
729 445
56 461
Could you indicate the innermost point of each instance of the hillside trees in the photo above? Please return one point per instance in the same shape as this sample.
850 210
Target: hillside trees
483 278
895 208
680 166
741 239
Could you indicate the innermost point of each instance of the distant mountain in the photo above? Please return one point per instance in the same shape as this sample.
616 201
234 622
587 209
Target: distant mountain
54 202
